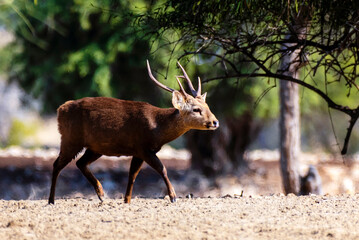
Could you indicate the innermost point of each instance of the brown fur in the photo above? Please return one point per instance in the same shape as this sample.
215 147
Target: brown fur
114 127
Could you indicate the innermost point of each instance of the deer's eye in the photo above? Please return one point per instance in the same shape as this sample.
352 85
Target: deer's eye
197 110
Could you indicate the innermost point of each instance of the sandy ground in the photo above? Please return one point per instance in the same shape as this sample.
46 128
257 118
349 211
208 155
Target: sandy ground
269 217
263 212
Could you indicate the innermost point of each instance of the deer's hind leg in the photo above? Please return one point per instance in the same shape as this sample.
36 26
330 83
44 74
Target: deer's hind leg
65 157
83 163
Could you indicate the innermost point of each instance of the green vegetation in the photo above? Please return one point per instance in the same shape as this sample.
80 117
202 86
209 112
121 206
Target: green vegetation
20 130
70 49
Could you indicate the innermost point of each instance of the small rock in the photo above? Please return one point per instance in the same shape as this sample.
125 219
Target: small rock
227 196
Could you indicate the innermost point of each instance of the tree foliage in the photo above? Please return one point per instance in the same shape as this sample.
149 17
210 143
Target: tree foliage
248 39
70 49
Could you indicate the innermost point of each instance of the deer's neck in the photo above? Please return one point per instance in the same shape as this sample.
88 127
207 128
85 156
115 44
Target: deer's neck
170 125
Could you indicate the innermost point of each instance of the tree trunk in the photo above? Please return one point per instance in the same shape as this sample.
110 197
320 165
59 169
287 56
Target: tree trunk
222 151
289 136
290 114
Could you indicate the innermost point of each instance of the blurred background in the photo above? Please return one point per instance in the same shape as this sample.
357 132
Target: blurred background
53 51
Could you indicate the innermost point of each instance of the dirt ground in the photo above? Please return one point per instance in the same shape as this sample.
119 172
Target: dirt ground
218 209
267 217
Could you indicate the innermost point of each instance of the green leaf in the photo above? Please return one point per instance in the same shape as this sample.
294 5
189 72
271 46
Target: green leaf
102 79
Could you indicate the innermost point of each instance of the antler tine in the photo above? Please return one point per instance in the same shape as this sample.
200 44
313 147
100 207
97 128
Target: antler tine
179 83
194 92
156 81
199 87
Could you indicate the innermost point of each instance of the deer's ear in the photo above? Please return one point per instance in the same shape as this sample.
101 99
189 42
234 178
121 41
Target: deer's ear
178 100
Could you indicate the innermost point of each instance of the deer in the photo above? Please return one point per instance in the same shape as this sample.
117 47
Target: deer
115 127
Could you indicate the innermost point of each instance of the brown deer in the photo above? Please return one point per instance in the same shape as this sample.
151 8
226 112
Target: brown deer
114 127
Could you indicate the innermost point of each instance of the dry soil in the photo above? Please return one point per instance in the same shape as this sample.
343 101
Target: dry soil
235 217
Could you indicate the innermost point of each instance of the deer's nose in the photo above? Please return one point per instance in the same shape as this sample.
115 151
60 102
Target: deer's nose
215 124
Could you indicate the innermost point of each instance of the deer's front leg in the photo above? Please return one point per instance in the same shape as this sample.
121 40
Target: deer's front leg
135 168
152 160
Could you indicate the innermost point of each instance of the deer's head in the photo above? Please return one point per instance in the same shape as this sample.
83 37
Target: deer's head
193 108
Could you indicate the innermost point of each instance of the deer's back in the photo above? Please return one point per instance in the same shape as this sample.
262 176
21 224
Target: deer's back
107 126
